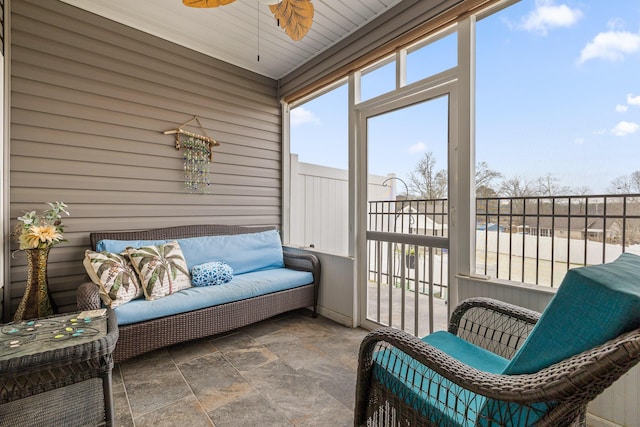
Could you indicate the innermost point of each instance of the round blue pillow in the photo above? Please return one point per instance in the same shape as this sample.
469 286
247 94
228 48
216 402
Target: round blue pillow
211 273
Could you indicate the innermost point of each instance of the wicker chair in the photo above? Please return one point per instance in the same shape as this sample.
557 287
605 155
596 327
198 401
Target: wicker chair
468 375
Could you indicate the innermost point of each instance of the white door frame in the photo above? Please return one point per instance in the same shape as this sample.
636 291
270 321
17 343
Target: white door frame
443 84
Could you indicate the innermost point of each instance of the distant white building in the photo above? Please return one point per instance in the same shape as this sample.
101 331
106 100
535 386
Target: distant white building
410 221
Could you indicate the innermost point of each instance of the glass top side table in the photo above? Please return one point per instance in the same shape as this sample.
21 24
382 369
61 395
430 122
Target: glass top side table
52 368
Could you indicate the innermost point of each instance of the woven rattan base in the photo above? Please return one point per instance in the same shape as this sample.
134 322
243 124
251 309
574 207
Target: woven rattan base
79 404
56 371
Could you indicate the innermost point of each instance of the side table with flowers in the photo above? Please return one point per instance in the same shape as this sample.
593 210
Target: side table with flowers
37 234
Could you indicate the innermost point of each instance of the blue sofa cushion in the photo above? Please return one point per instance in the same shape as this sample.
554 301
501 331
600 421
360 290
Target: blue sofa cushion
593 304
241 287
243 252
211 273
122 245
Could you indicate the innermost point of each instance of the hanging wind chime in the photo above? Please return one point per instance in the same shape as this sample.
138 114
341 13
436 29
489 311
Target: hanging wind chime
197 156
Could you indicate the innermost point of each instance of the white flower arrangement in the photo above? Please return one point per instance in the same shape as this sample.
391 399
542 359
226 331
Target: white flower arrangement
41 231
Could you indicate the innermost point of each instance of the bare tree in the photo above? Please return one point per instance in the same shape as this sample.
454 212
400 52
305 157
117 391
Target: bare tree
635 181
428 182
626 184
484 180
548 185
583 190
517 187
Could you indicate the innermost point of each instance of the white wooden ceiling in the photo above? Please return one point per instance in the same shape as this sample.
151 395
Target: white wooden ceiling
238 32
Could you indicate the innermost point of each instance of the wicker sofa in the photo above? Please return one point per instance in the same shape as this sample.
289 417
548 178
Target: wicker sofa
141 337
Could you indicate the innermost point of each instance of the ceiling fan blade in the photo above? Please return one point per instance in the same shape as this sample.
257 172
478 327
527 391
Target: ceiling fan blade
206 3
294 16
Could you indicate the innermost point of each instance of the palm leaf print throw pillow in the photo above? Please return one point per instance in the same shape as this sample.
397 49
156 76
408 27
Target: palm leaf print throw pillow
161 269
116 279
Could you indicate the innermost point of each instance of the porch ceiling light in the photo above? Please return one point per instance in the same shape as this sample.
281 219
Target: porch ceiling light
294 16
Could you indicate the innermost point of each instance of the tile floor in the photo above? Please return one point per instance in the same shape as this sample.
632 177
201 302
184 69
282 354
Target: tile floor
291 370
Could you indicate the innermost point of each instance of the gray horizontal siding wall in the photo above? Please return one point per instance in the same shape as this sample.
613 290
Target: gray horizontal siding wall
2 26
90 99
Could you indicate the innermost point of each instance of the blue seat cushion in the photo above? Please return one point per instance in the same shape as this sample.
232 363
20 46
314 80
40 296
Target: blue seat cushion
593 304
431 395
442 401
242 286
467 353
243 252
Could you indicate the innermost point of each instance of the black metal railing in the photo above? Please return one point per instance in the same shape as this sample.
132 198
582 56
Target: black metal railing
538 239
408 264
406 273
415 217
427 217
528 239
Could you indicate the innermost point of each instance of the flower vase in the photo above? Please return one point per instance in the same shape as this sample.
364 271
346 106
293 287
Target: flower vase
36 301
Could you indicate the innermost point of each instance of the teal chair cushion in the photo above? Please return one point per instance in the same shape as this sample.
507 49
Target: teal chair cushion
431 395
442 401
593 305
467 353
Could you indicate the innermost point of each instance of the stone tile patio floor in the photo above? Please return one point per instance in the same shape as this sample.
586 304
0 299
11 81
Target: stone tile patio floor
291 370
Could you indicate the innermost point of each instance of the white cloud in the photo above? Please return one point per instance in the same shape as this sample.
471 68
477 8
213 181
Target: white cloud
578 141
418 147
300 116
621 108
548 15
625 128
611 45
599 132
633 100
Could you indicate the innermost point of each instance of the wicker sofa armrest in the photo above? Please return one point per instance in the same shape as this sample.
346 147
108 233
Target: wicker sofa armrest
296 259
88 297
493 325
573 382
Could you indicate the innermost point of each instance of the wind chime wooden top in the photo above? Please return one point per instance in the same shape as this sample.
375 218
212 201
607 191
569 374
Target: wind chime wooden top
205 138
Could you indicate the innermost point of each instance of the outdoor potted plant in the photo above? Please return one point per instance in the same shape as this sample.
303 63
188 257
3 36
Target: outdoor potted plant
410 257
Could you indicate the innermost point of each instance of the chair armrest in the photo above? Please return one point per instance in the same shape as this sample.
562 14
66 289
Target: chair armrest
88 297
493 325
573 382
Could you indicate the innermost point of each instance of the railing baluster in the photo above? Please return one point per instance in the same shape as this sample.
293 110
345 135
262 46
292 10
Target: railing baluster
511 235
416 290
604 228
379 277
430 290
624 224
403 283
569 236
524 235
391 280
537 240
553 238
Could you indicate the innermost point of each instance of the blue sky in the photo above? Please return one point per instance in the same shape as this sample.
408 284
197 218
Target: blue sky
558 92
